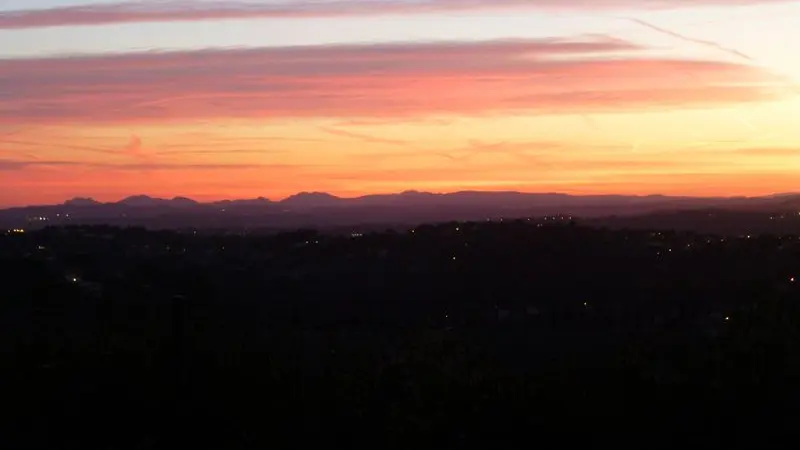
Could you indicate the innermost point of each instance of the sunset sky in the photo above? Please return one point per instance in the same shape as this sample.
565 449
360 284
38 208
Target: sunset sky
216 99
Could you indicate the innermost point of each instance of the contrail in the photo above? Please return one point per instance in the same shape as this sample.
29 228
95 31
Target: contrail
731 51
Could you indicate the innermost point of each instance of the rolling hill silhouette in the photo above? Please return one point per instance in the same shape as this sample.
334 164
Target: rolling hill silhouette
320 209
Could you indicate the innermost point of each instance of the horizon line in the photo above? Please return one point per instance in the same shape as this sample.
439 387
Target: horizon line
412 191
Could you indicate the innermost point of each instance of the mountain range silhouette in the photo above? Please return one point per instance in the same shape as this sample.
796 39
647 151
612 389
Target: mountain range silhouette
463 198
321 209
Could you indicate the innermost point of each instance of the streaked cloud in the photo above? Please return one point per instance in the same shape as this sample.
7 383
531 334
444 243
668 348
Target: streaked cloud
62 145
524 151
778 152
14 164
552 76
368 138
171 11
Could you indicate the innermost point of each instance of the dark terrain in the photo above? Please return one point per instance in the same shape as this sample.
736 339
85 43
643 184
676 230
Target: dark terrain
513 331
324 211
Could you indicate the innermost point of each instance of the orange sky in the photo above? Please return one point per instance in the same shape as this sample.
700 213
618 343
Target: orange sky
637 109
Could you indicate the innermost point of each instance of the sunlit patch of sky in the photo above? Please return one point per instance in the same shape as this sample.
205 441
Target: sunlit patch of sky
766 33
765 30
284 32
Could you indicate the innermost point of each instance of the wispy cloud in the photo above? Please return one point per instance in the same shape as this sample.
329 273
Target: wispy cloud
386 81
363 137
170 11
132 150
218 152
525 151
778 152
12 164
405 121
134 147
61 145
498 173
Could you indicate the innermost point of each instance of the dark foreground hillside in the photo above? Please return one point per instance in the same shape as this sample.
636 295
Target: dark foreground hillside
445 335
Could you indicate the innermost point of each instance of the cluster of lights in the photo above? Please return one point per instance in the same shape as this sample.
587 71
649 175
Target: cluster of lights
557 218
16 231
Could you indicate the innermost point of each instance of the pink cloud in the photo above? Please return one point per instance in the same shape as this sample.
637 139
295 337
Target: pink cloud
15 164
376 81
130 12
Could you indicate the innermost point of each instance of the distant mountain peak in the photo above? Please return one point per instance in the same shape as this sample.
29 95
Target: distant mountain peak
311 195
245 202
81 201
311 199
184 200
414 193
140 200
314 194
137 197
256 201
146 200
